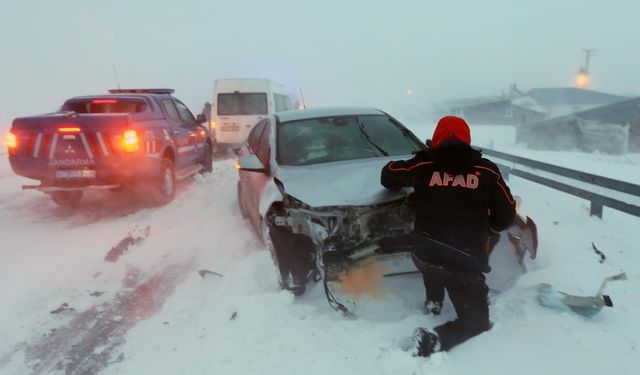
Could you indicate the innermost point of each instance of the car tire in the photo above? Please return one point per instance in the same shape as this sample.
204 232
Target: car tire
66 199
241 206
293 256
164 188
207 160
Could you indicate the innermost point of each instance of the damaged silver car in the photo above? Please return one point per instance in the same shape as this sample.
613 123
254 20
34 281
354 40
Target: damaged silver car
310 186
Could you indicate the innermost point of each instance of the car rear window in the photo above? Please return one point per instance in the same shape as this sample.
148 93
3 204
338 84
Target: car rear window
106 106
242 104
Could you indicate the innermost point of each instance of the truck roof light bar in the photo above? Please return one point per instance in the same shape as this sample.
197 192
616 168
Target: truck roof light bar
142 91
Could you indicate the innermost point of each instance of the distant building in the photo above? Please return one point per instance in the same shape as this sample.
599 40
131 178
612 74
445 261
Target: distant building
518 108
566 100
613 128
496 110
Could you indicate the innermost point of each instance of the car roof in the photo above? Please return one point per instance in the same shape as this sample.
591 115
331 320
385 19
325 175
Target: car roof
309 113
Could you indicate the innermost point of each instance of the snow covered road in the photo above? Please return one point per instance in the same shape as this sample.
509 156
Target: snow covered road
151 312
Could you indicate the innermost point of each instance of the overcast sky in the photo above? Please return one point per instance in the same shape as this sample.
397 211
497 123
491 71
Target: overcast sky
338 52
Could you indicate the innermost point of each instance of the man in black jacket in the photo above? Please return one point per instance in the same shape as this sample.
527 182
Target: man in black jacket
460 199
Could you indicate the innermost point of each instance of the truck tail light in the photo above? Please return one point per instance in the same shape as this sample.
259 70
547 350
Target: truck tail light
12 141
212 126
131 141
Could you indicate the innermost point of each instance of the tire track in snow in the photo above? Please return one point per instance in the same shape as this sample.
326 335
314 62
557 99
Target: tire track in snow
91 340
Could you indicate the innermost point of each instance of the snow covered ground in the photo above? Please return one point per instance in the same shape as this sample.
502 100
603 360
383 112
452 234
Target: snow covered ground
150 312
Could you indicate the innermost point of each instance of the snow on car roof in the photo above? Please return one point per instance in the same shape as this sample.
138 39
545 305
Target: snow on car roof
302 114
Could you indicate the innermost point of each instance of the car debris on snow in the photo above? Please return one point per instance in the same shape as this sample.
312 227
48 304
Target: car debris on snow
587 306
135 237
64 307
600 253
205 273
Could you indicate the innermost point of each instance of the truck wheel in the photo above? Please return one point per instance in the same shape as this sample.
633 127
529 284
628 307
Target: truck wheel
220 151
67 199
207 160
165 184
293 256
243 209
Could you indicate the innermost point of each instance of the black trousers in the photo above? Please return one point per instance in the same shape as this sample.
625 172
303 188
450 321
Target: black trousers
467 291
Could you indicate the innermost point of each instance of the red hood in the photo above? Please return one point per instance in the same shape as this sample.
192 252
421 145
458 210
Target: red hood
451 129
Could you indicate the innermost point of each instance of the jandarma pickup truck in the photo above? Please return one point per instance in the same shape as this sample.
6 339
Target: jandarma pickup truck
129 138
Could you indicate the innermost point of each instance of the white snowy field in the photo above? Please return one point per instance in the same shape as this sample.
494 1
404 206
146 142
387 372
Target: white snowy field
150 312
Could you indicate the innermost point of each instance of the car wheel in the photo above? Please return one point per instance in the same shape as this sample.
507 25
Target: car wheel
241 206
207 160
164 187
67 199
293 256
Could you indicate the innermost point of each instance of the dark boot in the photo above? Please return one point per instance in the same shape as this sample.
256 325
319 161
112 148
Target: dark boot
426 342
433 307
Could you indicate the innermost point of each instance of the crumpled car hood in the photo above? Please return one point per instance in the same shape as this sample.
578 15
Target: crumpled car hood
351 183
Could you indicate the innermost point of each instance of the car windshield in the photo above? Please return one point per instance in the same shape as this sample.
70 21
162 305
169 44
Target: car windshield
329 139
105 106
242 104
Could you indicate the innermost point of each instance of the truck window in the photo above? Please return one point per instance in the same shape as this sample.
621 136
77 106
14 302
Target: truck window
170 108
98 105
242 104
184 113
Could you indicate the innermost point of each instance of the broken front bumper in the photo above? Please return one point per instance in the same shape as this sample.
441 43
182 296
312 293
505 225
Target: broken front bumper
346 229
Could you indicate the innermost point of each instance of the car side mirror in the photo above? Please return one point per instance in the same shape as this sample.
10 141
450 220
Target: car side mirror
201 118
251 163
428 143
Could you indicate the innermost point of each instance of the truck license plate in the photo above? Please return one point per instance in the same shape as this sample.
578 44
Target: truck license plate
230 128
80 173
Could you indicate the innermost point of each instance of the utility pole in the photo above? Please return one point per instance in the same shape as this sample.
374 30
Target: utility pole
584 73
588 53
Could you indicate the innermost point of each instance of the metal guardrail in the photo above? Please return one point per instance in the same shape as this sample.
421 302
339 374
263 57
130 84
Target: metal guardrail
598 201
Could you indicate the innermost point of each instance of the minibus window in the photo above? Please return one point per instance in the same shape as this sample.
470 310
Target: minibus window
242 104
